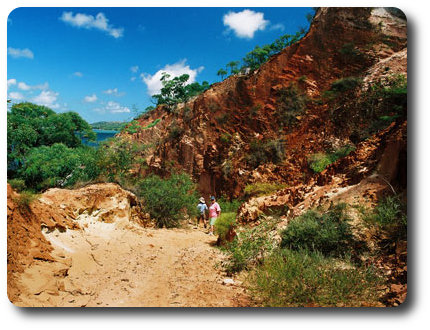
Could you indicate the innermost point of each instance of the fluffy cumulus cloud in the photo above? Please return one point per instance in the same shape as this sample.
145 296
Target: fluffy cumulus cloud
134 69
113 91
24 87
154 84
90 98
10 83
17 53
99 22
245 23
47 98
115 107
15 96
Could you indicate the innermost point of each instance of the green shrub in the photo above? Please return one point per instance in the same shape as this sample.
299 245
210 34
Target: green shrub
262 152
291 104
175 131
262 188
25 199
249 247
17 184
345 84
225 138
168 200
229 205
155 122
390 214
301 278
224 222
328 233
318 162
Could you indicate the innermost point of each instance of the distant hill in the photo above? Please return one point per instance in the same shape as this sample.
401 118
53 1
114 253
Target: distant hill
109 125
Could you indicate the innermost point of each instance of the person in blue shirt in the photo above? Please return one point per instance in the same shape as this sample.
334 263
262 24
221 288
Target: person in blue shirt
202 208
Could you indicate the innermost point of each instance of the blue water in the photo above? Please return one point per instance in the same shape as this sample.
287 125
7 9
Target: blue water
101 136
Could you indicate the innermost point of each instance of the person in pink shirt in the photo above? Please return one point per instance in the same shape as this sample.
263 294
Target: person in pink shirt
214 213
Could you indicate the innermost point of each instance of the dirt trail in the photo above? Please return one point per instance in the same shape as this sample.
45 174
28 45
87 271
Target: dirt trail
122 264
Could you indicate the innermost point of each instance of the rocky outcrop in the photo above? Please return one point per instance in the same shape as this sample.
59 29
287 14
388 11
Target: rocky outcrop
60 209
218 127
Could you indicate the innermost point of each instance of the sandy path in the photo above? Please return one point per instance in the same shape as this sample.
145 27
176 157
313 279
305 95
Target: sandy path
111 264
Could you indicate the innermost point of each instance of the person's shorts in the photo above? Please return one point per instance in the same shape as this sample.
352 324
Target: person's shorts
212 221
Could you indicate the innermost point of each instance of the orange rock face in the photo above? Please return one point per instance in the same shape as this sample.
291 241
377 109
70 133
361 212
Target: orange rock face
219 126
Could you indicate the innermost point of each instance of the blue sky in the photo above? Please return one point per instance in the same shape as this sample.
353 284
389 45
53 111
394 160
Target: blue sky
104 62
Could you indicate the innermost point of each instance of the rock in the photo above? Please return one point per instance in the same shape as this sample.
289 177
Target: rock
228 281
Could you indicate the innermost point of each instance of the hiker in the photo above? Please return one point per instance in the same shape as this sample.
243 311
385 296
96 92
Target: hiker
214 213
202 208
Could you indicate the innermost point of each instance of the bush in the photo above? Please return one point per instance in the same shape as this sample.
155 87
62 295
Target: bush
224 222
229 205
25 199
168 200
249 247
345 84
262 188
262 152
318 162
328 233
291 104
301 278
17 184
390 214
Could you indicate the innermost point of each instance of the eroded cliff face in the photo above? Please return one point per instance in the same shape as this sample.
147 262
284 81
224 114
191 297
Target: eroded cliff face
30 223
212 135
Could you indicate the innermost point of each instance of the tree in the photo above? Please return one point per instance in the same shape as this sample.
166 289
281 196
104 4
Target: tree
30 126
233 65
221 73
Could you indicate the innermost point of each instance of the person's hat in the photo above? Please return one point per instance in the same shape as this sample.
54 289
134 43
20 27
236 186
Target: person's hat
212 198
202 199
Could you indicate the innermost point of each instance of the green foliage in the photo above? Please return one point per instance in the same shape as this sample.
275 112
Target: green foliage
229 206
167 200
175 131
224 222
291 104
155 122
109 125
262 188
301 278
176 90
262 152
259 55
50 166
326 232
390 215
249 247
132 128
318 162
222 118
30 126
17 184
225 138
25 199
221 73
345 84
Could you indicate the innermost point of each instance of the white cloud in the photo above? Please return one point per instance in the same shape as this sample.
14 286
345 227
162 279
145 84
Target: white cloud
16 53
132 78
154 84
278 26
113 91
115 107
23 86
99 22
90 98
134 69
15 96
245 23
47 98
78 74
11 82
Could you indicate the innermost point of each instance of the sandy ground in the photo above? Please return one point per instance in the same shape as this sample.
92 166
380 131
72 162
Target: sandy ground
122 265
